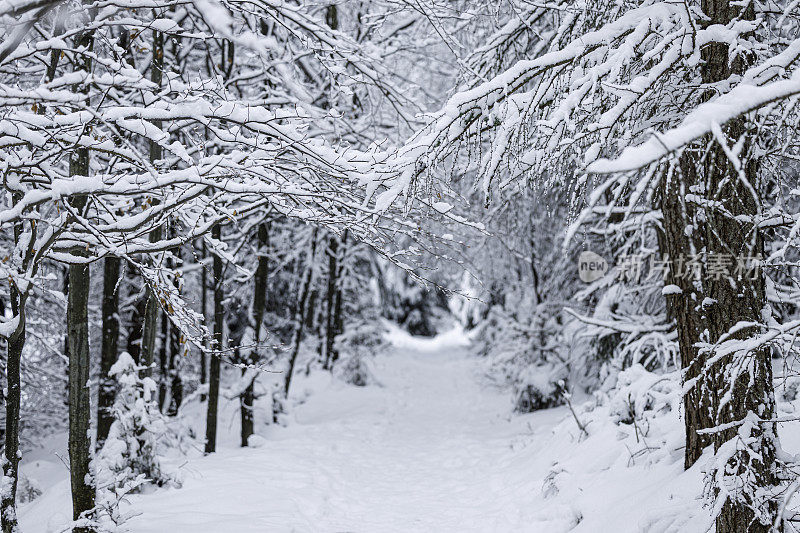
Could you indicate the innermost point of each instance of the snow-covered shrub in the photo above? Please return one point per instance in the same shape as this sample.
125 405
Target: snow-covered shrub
539 386
641 395
360 341
129 457
528 353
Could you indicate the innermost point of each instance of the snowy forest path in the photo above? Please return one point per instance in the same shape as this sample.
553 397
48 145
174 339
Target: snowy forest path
433 448
424 451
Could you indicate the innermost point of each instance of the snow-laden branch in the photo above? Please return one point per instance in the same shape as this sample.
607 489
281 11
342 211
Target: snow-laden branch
746 97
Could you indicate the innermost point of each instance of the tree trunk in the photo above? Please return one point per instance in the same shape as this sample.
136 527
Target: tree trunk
735 299
65 291
338 315
330 300
163 363
300 314
685 308
259 308
108 351
175 396
79 443
175 350
79 392
216 346
309 314
151 308
136 323
150 325
740 299
204 306
15 344
711 304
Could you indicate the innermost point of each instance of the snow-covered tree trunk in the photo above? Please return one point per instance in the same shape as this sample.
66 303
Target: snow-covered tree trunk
203 313
734 186
748 376
108 350
732 391
15 344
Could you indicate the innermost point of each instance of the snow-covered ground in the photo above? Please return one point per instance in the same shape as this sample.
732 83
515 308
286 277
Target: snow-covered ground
432 448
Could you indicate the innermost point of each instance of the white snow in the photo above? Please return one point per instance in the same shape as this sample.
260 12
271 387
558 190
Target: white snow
434 447
671 289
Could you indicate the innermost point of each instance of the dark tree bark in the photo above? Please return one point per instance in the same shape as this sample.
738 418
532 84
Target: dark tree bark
79 443
338 305
259 308
152 307
65 290
685 308
204 312
16 342
14 346
109 348
133 344
79 392
301 310
150 325
739 300
330 300
174 372
736 299
716 303
311 308
216 346
163 363
175 348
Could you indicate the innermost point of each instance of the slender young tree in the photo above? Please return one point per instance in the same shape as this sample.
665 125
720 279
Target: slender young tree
150 325
80 453
258 310
109 349
338 304
176 347
79 392
14 346
330 300
217 344
204 312
300 314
